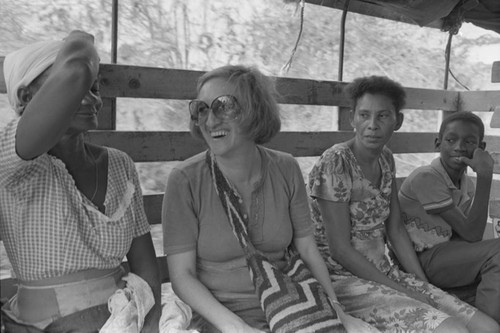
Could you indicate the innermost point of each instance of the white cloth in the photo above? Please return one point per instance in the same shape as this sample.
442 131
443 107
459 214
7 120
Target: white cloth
21 67
175 314
129 306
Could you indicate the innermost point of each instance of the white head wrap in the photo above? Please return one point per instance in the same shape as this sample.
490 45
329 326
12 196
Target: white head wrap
21 67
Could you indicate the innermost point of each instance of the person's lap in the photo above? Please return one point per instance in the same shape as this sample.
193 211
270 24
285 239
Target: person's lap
247 309
456 263
86 321
386 308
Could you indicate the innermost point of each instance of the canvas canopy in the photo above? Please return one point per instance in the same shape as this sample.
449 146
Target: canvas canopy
444 14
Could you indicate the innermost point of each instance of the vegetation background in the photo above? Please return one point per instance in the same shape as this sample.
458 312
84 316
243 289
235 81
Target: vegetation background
204 34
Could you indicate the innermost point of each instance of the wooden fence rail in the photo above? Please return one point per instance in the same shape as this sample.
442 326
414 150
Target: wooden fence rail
119 81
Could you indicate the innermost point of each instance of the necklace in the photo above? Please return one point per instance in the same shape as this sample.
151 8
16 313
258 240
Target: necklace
96 175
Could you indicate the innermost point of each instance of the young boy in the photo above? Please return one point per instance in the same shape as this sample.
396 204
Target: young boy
446 216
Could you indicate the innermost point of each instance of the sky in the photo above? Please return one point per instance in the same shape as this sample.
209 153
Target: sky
487 54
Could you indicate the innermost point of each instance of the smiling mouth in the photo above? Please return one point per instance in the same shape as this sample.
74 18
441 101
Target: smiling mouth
219 134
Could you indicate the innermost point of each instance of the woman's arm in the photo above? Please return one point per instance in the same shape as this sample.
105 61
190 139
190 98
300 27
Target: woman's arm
338 230
399 239
182 270
50 110
142 261
306 246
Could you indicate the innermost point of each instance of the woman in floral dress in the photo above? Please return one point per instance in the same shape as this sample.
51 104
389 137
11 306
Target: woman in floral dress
355 208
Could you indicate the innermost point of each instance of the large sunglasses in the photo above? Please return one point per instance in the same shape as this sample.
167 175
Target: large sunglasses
225 108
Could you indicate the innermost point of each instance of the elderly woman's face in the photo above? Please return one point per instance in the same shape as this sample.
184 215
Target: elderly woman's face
85 117
221 129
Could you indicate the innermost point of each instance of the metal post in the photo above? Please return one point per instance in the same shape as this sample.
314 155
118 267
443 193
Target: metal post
343 121
114 32
447 55
114 56
342 40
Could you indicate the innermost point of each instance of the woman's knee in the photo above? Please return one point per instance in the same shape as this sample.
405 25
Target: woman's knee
480 322
451 325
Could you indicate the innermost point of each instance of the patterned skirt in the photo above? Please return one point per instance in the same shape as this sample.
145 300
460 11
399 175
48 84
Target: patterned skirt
392 311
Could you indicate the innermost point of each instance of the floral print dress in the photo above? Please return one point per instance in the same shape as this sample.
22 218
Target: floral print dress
337 177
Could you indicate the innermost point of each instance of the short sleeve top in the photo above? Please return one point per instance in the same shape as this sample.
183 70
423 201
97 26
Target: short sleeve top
50 228
194 219
426 192
337 177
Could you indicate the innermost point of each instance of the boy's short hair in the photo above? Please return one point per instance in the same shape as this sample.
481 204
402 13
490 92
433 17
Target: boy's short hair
256 95
465 116
380 85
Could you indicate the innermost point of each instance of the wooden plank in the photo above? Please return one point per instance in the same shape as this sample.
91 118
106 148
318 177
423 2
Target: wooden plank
147 82
492 143
106 117
479 100
150 146
496 158
310 92
3 88
150 82
495 118
370 9
495 208
495 72
177 146
344 121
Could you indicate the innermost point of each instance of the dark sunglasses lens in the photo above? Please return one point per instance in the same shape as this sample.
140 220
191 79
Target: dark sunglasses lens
225 107
197 108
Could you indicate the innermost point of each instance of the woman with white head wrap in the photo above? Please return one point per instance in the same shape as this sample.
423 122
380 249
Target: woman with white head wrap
69 210
23 66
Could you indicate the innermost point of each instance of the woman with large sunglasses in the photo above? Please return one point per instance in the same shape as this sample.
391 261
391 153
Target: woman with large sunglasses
235 113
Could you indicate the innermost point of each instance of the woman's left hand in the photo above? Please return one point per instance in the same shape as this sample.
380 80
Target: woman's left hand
354 325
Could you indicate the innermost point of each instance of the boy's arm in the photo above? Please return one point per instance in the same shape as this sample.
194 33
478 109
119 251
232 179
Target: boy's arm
471 227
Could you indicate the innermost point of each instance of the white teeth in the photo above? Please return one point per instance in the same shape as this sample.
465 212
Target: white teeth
218 134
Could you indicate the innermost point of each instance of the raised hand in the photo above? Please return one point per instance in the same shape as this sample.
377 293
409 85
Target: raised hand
481 162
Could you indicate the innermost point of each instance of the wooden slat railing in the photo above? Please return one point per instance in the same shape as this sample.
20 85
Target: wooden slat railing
147 82
151 82
495 72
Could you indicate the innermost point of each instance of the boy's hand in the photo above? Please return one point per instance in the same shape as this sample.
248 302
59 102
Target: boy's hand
481 162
